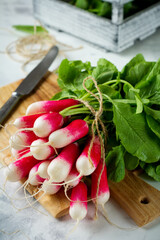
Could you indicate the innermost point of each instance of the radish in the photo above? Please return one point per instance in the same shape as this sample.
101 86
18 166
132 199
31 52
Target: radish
20 168
22 139
69 134
26 121
103 193
78 204
50 106
19 153
50 188
34 178
42 170
83 164
71 176
40 150
47 123
60 167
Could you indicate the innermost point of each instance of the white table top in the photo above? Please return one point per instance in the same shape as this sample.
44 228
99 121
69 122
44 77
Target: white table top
30 223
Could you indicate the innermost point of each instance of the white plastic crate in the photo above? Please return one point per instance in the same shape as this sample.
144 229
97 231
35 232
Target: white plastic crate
115 35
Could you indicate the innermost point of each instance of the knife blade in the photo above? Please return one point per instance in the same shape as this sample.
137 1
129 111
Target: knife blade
28 84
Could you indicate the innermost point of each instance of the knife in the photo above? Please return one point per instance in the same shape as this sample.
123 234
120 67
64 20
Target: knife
28 84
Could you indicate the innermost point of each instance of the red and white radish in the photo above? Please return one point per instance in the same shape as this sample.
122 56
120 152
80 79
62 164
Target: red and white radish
19 153
42 170
60 166
73 174
22 139
50 188
47 123
69 134
103 193
40 150
83 164
50 106
19 169
26 121
78 204
34 178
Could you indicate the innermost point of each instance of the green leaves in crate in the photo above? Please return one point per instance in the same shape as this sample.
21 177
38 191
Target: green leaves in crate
104 9
101 8
96 6
84 4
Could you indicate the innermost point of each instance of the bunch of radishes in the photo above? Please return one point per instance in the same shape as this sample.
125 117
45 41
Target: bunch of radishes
46 152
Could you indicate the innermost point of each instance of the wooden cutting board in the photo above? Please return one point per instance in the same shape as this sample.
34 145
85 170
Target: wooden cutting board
140 200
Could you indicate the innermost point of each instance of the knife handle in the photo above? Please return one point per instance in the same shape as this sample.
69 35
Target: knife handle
8 106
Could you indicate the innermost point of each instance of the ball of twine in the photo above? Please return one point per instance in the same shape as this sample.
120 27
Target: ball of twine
34 47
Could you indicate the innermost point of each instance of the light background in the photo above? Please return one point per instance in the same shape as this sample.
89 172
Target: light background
34 225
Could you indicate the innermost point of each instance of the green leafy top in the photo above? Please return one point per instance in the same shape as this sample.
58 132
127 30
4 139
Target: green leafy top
131 109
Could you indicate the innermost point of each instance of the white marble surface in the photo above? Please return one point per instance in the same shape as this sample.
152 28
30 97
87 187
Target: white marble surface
30 223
